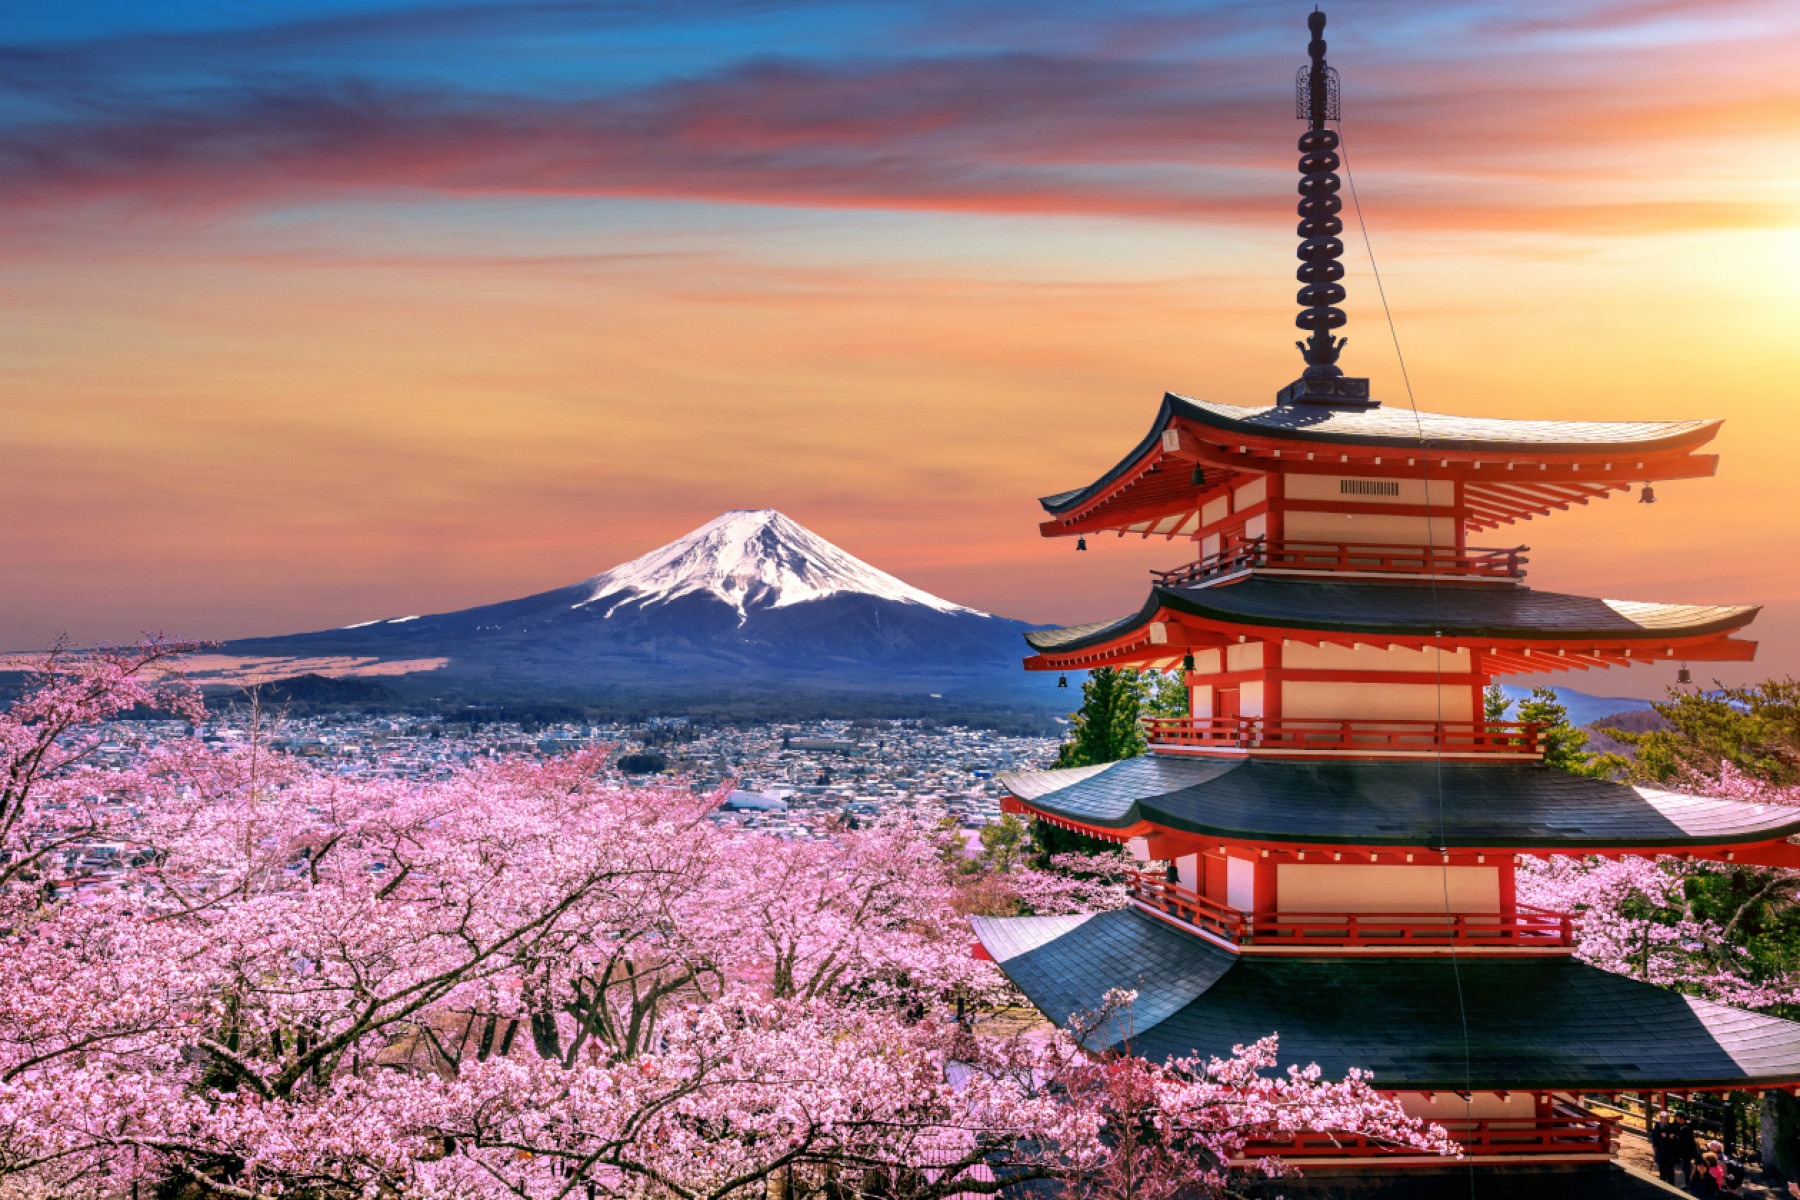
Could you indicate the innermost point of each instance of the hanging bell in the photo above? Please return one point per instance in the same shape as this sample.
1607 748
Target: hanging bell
1081 543
1684 675
1062 681
1187 662
1647 496
1199 479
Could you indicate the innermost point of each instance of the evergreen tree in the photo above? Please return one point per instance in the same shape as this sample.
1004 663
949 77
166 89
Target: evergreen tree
1105 728
1564 744
1755 729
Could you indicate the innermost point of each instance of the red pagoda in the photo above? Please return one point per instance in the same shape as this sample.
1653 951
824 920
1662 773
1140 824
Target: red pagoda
1341 822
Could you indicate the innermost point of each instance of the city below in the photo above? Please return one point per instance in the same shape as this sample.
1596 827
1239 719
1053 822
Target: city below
797 781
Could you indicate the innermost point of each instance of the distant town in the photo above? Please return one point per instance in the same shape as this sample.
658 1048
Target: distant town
796 780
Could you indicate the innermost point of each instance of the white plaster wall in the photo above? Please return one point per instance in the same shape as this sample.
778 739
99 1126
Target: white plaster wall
1257 526
1206 662
1254 492
1215 511
1369 529
1240 884
1187 869
1377 701
1250 698
1243 656
1328 657
1202 700
1380 888
1480 1106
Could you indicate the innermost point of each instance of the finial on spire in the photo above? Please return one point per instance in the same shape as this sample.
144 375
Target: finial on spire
1316 102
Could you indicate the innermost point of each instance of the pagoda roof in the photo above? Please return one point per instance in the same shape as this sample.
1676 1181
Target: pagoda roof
1419 1024
1392 803
1409 610
1235 442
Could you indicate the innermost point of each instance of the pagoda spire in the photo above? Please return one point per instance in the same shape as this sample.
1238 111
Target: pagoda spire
1316 102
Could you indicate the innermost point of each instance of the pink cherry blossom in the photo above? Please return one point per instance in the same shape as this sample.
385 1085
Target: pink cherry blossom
522 980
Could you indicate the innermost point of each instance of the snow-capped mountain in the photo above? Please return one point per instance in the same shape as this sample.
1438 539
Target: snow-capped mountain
750 601
750 559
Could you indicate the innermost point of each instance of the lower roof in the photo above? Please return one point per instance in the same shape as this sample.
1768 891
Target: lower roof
1463 610
1393 803
1418 1024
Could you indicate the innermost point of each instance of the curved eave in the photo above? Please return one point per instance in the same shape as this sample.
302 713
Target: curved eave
1462 806
1402 430
1472 1024
1148 492
1175 620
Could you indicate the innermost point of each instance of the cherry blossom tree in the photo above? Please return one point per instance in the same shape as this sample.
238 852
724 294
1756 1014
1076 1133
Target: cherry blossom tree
524 980
1680 924
50 796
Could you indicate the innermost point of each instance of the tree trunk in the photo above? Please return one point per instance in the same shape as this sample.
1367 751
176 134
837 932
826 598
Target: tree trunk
1780 1134
545 1037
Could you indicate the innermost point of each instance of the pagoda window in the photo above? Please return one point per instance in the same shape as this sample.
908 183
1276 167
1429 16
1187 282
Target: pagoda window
1380 888
1348 491
1352 511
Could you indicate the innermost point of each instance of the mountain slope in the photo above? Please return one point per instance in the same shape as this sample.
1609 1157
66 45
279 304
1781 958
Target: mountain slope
750 601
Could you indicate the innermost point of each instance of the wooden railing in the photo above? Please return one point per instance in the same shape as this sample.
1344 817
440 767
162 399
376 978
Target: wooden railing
1277 734
1570 1132
1351 558
1522 926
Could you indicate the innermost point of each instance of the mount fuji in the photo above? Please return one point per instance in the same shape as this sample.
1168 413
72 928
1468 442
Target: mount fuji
750 603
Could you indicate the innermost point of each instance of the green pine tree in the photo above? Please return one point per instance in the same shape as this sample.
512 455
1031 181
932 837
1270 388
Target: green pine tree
1105 728
1755 729
1564 744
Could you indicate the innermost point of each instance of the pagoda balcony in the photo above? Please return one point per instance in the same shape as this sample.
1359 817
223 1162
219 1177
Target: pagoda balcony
1567 1133
1348 558
1523 926
1305 736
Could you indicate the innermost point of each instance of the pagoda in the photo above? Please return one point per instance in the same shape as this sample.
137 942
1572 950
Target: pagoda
1336 822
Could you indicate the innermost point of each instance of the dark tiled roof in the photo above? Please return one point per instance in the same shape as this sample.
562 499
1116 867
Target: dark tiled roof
1469 1181
1393 804
1418 610
1091 634
1484 1023
1401 428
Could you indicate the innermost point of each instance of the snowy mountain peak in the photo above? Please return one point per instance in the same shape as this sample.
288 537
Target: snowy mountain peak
751 559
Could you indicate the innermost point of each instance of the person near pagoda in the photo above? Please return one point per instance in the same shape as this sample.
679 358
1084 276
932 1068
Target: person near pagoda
1665 1145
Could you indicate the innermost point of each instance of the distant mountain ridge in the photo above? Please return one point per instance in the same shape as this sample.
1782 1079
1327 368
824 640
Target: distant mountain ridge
752 601
1583 707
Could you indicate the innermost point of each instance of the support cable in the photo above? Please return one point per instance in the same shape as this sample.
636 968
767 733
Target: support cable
1431 571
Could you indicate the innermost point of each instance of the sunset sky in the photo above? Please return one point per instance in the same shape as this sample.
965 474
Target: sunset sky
320 312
